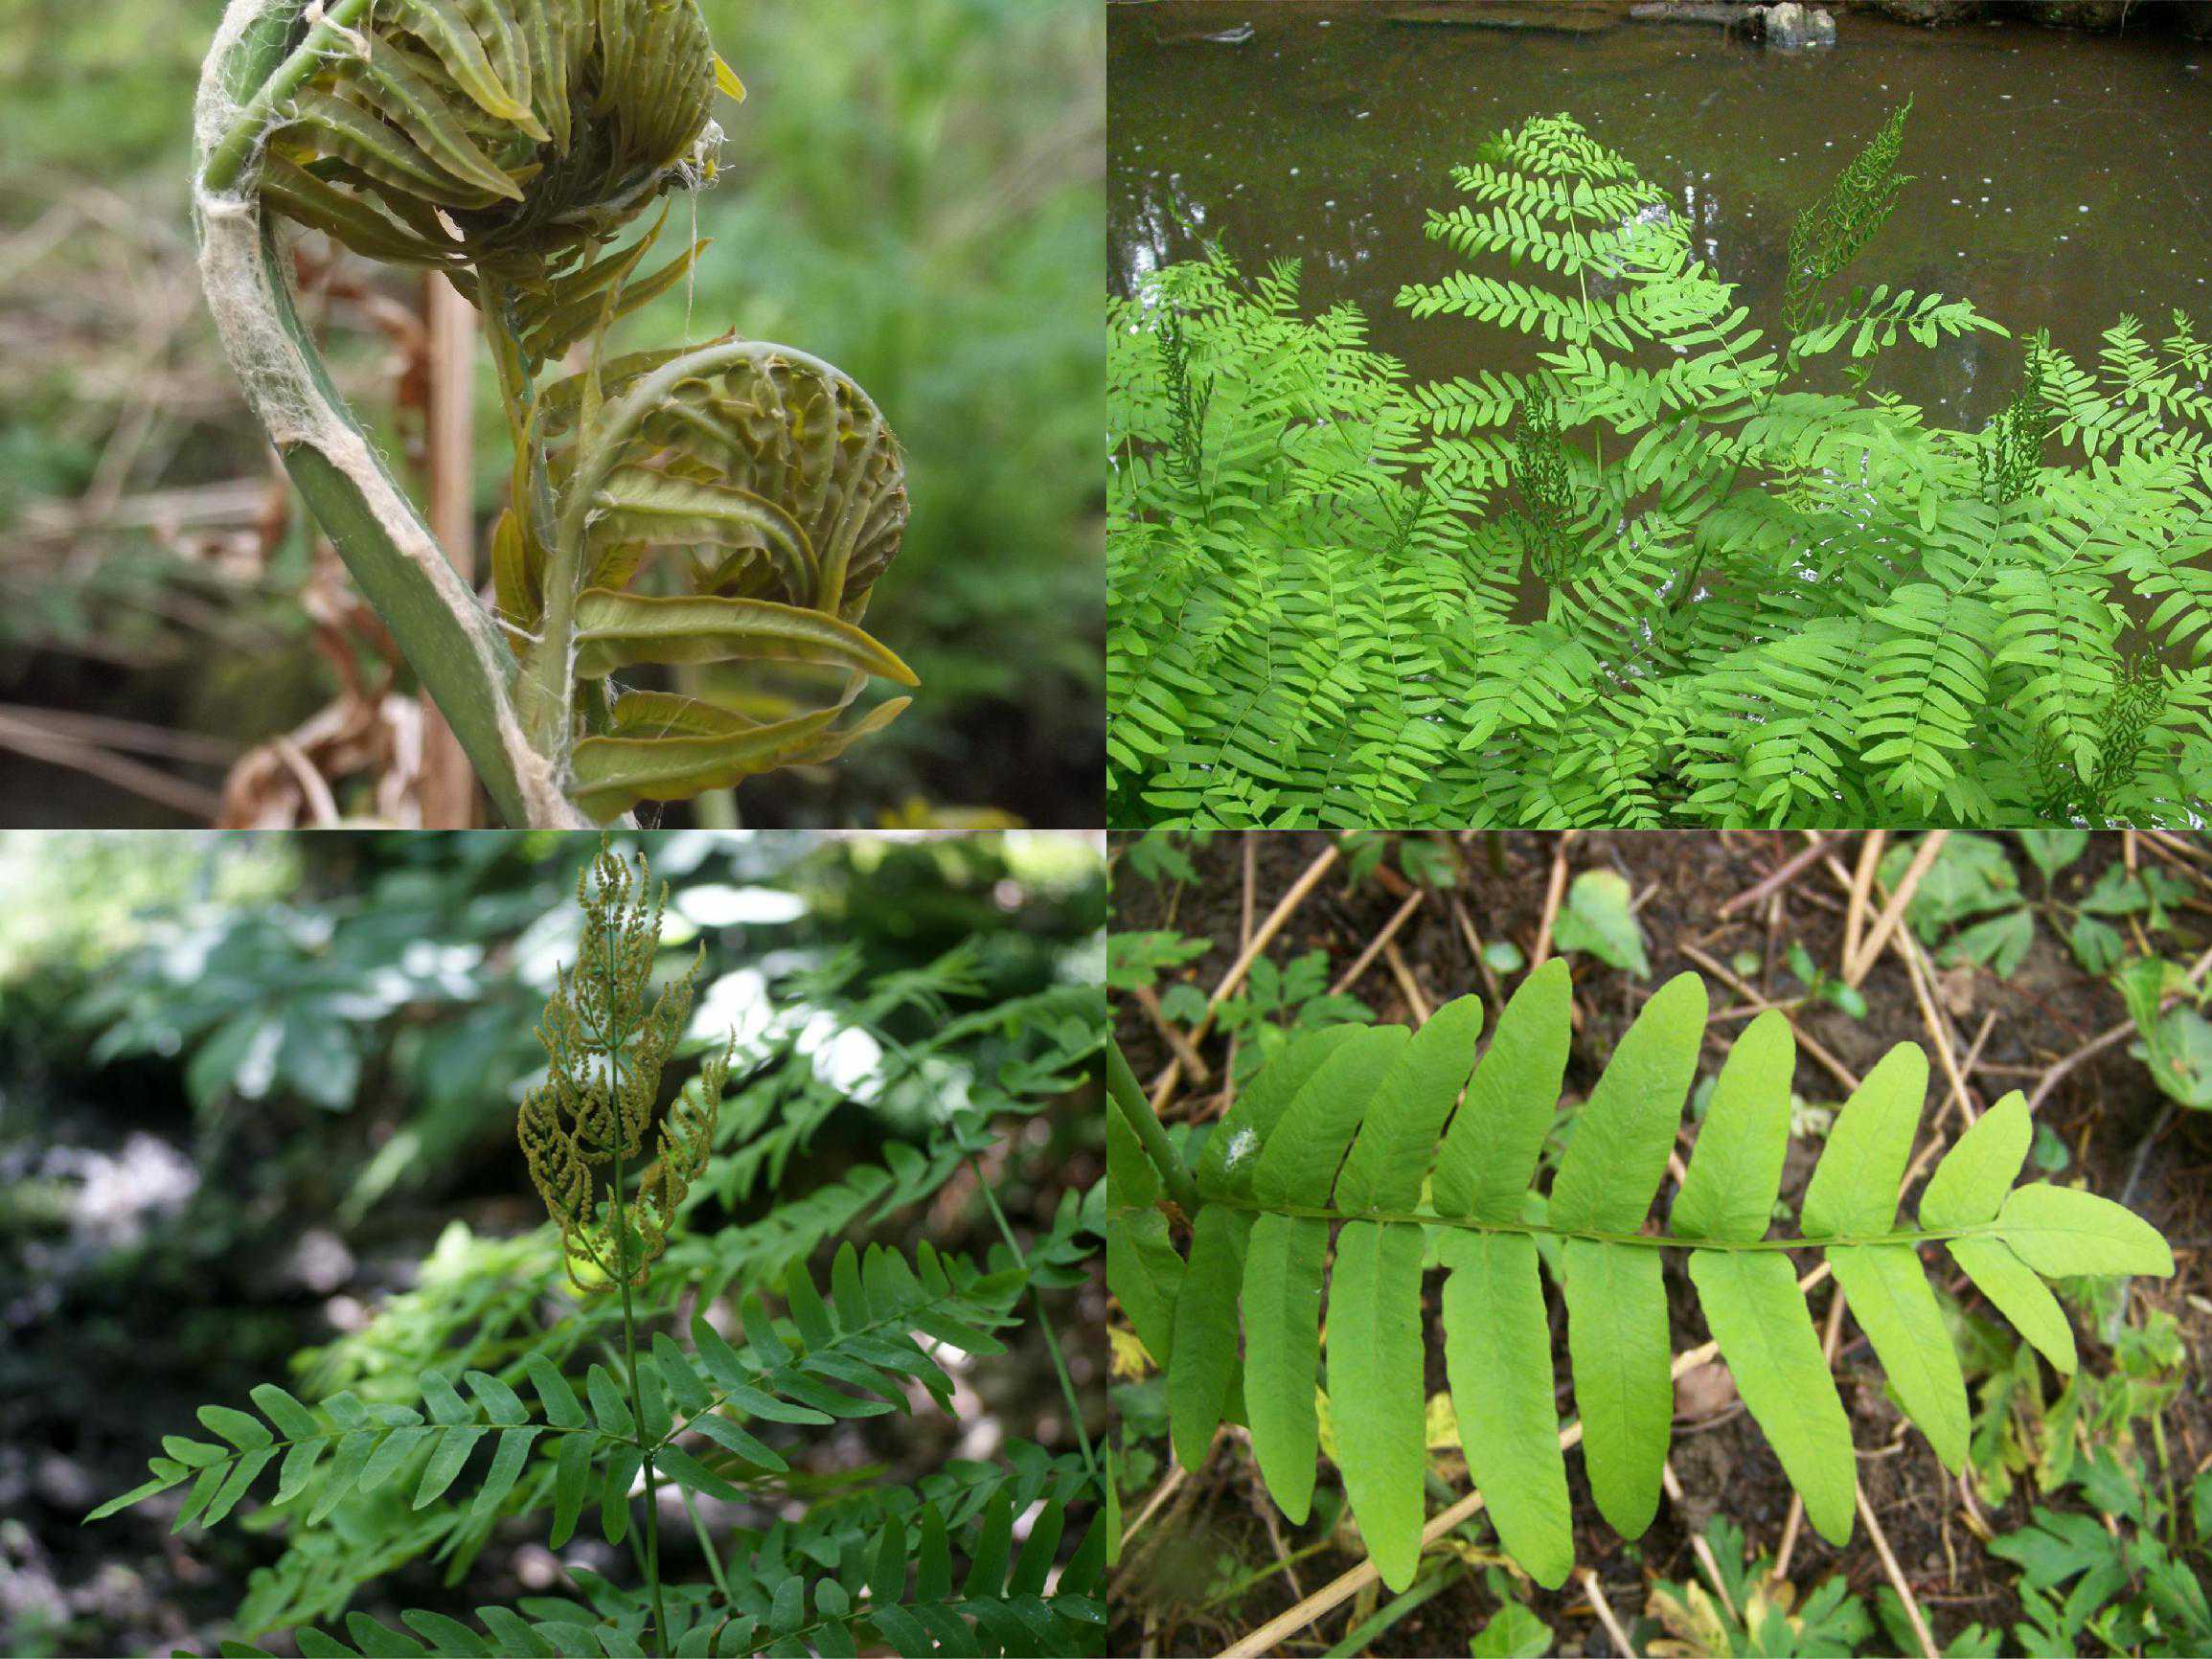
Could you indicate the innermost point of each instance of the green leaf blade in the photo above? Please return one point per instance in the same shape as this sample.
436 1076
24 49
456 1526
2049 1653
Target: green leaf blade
1498 1354
1854 1190
1735 1170
1298 1163
1890 1297
2015 1292
1282 1354
572 1471
1226 1165
1205 1342
1397 1138
1617 1345
1489 1156
1970 1183
1759 1317
1622 1135
1376 1398
2062 1232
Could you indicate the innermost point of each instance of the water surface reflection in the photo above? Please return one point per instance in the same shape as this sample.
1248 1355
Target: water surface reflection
2059 179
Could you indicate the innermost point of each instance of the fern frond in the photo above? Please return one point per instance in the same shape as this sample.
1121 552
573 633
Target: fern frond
1344 1156
846 1355
899 1587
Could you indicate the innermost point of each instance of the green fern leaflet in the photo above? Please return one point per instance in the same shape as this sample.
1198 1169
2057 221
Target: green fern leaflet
1365 1156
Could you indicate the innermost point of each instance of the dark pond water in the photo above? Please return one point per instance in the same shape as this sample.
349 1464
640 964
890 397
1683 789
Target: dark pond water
2059 179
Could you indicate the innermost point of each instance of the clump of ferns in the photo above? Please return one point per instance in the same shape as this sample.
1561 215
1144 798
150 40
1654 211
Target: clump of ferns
512 145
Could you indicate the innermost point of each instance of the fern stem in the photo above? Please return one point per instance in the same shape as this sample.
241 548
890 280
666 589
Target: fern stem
1137 1111
621 1218
1043 1324
1639 1240
707 1545
531 492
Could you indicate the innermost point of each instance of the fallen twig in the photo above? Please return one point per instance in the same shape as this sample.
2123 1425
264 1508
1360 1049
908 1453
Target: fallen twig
1170 1074
1892 913
1783 874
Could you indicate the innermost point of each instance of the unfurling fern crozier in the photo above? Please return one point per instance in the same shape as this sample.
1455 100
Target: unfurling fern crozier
512 146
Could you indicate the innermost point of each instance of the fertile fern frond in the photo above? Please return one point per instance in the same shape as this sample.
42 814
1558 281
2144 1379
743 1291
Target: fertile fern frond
1830 234
607 1033
1362 1154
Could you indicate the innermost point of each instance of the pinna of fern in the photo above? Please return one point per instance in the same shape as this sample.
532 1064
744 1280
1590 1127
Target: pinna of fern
1692 568
1363 1156
512 145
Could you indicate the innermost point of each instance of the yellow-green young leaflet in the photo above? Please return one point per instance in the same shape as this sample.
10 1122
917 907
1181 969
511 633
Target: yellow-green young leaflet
1361 1150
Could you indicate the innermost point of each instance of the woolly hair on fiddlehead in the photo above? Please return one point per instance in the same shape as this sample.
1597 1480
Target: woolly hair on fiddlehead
607 1033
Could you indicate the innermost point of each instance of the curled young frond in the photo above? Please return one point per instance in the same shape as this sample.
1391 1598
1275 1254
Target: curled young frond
779 478
777 472
513 145
501 131
607 1033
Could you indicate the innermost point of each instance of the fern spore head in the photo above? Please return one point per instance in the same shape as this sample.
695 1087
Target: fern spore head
607 1034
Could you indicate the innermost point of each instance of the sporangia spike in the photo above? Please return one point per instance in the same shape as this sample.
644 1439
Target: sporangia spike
607 1033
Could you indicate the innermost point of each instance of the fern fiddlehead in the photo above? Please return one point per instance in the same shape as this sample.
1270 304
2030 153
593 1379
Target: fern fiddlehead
1362 1150
511 144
